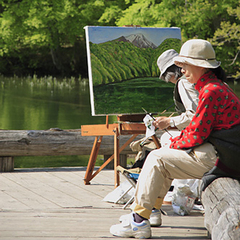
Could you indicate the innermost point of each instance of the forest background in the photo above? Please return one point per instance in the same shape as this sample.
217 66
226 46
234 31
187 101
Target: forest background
47 38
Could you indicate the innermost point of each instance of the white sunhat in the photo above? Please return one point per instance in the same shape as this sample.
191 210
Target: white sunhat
197 52
165 60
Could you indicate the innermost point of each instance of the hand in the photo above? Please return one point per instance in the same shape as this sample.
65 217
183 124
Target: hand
161 122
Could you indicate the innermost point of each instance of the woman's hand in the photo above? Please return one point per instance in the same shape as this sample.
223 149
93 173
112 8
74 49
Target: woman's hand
161 122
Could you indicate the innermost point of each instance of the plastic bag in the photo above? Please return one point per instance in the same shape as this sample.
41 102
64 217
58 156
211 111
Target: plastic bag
184 195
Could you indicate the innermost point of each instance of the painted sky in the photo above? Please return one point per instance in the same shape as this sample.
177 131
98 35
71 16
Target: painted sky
98 34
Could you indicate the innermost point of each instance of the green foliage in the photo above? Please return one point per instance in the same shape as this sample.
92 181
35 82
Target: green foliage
116 61
41 24
113 10
52 23
227 40
34 34
139 13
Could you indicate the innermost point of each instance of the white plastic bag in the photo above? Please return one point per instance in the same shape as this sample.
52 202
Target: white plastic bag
184 195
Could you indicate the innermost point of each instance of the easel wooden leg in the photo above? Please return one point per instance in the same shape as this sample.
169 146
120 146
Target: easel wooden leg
92 160
112 157
116 157
156 141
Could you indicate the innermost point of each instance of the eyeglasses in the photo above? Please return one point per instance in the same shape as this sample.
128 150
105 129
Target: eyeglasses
182 65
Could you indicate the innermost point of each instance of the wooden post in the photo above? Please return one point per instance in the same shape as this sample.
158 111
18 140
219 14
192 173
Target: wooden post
122 159
221 201
6 164
116 157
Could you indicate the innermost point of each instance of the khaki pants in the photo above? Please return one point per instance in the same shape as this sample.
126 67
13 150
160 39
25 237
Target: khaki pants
162 166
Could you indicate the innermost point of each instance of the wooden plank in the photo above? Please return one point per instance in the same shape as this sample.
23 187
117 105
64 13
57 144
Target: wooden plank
87 218
108 129
98 130
131 117
89 223
20 194
133 128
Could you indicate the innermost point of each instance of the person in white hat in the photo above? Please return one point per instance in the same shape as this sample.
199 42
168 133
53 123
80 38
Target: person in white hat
185 95
189 155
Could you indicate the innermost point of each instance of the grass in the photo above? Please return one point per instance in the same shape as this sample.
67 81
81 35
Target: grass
59 161
54 161
48 82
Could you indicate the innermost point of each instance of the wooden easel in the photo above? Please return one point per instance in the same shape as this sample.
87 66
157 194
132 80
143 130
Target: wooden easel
115 129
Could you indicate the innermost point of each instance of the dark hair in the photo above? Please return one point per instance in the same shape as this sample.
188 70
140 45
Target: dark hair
220 73
173 70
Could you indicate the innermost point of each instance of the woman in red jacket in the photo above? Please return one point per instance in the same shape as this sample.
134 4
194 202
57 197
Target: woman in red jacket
190 155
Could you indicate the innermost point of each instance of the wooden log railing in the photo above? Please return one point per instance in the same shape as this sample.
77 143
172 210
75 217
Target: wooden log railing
221 201
52 142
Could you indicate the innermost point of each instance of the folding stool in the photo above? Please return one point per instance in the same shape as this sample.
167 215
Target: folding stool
132 176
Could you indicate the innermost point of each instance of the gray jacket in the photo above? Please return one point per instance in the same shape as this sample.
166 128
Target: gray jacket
186 101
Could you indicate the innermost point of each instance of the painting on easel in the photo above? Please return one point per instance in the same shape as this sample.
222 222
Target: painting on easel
123 71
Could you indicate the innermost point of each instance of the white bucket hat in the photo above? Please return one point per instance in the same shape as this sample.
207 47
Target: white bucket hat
165 60
197 52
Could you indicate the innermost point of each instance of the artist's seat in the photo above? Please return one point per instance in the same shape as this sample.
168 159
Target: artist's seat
132 176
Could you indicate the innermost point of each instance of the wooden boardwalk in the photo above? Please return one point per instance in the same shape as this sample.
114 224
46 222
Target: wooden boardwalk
54 204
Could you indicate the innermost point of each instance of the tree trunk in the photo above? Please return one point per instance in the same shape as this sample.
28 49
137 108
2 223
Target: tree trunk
54 142
221 201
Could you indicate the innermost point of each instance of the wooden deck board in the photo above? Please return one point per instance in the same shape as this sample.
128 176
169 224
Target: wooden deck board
54 204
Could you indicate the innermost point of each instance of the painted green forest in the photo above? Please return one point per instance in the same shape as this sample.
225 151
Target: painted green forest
129 97
116 61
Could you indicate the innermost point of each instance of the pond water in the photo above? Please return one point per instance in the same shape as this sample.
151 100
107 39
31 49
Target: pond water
39 104
45 103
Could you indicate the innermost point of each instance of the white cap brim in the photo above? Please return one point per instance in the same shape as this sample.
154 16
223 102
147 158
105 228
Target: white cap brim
197 62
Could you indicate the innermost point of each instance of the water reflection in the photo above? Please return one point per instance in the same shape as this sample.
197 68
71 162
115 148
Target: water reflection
27 104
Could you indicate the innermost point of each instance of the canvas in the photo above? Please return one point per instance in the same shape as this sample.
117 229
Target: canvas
123 71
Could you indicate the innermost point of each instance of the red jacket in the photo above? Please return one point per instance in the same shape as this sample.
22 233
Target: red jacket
218 108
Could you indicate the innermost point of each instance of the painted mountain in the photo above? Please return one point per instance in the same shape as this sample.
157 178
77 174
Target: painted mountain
138 40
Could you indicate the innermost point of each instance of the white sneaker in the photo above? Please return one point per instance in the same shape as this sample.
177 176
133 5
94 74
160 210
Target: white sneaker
155 218
128 228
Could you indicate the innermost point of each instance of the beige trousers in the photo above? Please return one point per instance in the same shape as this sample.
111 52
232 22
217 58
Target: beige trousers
162 166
